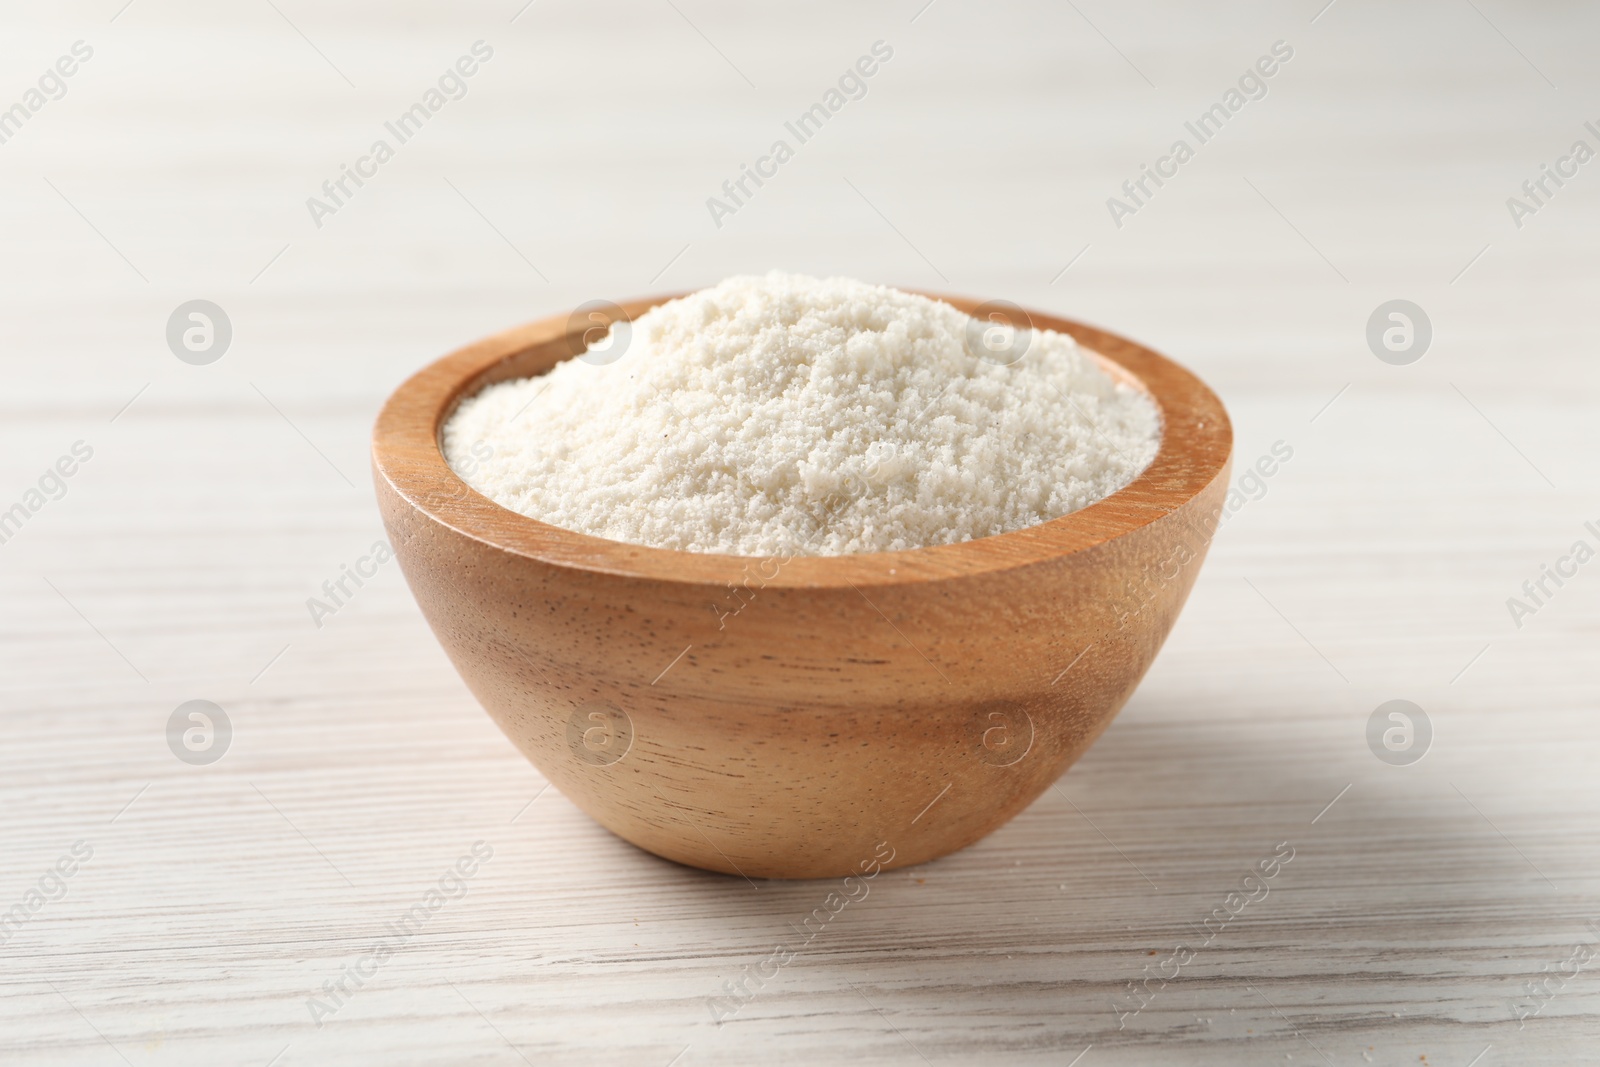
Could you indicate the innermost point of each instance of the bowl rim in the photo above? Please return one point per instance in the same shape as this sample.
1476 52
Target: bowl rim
1195 450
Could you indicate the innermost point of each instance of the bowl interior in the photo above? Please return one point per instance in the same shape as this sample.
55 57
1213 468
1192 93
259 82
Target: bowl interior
1194 450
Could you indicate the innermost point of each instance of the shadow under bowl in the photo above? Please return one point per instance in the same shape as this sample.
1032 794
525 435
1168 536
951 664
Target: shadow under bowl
809 716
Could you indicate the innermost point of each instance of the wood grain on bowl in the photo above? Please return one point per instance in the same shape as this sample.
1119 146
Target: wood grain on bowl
799 716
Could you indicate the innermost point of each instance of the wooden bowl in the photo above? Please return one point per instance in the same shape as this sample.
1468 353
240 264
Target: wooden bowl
809 716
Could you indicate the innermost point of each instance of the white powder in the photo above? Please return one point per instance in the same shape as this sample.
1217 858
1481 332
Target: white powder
800 416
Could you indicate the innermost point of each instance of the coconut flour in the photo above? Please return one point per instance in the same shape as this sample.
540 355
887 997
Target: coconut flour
800 416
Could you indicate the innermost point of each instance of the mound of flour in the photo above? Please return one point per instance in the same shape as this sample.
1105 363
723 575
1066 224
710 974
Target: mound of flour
801 416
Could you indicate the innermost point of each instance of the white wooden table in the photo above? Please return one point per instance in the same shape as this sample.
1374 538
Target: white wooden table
210 908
